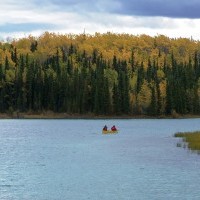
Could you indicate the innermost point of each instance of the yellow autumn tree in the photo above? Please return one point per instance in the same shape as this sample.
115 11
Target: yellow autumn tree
144 97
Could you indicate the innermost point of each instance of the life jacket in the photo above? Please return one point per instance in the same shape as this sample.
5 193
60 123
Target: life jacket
105 128
113 128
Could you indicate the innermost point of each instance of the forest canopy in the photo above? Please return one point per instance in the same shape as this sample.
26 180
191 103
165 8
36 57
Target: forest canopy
102 74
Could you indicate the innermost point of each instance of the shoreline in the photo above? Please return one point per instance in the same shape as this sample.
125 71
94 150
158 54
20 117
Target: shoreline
52 115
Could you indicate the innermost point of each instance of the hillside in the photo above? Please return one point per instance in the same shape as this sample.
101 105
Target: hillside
101 74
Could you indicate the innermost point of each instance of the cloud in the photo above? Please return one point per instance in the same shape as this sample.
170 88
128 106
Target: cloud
164 8
78 6
152 17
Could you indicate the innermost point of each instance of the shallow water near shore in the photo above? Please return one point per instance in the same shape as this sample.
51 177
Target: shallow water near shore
71 159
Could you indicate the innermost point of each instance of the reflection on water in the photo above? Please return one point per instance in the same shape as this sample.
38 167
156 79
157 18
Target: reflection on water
71 159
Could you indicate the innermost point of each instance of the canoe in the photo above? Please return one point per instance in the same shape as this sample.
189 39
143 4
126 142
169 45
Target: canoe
109 132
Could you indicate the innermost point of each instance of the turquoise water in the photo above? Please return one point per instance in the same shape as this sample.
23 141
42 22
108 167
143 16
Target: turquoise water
71 159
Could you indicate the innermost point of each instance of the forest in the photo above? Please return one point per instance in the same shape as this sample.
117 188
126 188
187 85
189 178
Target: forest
101 74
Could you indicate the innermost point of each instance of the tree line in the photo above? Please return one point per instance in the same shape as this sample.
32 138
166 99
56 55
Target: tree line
64 77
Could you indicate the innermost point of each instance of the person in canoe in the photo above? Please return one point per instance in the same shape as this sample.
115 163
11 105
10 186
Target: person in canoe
113 128
105 128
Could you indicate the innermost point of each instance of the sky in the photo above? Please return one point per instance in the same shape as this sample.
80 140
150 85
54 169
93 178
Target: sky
173 18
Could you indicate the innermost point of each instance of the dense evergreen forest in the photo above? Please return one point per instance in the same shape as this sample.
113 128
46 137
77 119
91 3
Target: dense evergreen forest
101 74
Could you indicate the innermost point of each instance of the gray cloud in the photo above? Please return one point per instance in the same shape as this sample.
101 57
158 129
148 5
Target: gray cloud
68 5
79 6
164 8
121 16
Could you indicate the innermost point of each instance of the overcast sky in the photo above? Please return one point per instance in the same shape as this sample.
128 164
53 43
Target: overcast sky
173 18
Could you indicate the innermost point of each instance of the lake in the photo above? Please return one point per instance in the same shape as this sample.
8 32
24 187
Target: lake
72 160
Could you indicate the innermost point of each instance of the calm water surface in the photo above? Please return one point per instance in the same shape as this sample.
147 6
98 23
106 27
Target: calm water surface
72 160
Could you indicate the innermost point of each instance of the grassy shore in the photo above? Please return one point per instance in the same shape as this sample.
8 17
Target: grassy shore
192 139
53 115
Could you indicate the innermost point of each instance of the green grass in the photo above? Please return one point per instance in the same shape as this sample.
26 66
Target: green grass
191 138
